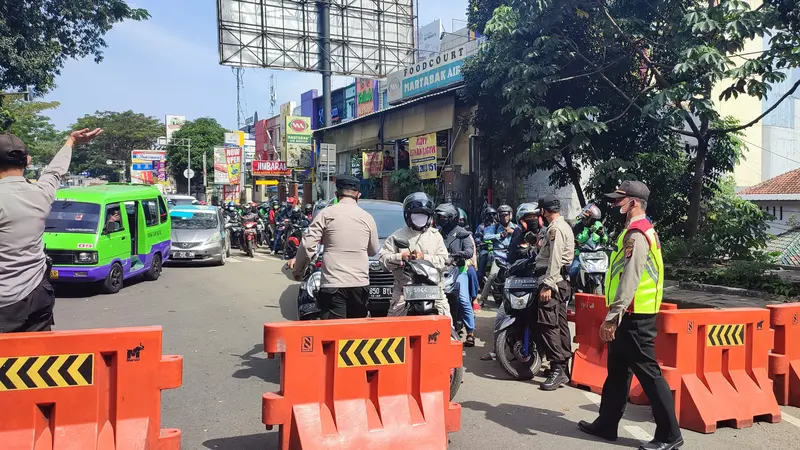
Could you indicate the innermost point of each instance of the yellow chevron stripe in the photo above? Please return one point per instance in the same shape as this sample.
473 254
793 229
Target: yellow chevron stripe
365 353
351 353
379 351
33 373
13 375
393 351
53 371
2 361
73 370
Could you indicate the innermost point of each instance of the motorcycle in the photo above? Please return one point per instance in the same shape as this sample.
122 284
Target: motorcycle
593 264
499 257
307 308
421 295
283 228
293 240
515 343
235 228
451 290
249 238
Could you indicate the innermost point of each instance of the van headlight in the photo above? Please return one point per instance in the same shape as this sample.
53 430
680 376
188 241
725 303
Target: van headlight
312 284
86 258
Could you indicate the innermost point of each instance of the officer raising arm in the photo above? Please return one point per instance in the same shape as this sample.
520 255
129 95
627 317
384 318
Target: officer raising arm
26 296
551 267
634 286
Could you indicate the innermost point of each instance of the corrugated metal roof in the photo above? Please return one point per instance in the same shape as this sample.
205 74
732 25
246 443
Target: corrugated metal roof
401 105
788 245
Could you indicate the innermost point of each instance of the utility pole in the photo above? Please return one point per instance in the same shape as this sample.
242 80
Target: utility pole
324 12
189 170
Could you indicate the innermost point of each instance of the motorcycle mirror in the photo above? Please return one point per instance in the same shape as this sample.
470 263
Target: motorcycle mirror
402 243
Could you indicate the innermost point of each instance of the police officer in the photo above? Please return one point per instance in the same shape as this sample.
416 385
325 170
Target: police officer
350 236
26 296
552 264
634 286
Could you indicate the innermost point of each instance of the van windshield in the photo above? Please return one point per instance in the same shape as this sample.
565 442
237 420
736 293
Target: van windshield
73 217
187 220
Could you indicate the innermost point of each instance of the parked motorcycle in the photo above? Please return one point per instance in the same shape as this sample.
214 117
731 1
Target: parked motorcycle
593 264
421 295
515 343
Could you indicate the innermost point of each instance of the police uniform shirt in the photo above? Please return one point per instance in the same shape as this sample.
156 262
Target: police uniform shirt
636 249
557 251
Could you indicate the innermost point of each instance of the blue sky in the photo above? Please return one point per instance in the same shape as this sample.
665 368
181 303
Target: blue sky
169 65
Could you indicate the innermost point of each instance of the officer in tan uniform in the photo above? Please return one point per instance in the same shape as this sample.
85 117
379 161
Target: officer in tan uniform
552 264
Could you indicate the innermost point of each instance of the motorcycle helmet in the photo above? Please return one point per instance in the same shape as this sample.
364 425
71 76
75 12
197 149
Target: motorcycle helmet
297 212
276 204
415 206
505 209
291 201
463 220
308 209
489 215
527 208
446 215
594 212
284 205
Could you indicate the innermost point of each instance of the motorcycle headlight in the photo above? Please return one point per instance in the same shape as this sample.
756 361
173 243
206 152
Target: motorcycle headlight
86 258
433 274
518 302
312 284
216 237
594 262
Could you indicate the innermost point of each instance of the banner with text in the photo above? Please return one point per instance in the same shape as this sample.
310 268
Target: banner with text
372 164
298 142
149 167
227 165
422 150
270 168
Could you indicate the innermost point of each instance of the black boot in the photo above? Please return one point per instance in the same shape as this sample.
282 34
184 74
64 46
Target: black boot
556 379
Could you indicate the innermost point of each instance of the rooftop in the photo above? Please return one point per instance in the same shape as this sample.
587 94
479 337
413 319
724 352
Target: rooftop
784 185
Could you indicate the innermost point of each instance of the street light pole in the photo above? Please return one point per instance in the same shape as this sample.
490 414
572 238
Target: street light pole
189 170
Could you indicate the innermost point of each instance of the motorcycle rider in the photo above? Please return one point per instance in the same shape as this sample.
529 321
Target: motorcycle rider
308 210
523 242
461 247
552 264
588 228
472 271
500 235
283 215
489 219
426 243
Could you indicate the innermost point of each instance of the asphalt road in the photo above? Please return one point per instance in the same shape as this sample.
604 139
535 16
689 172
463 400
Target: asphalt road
214 316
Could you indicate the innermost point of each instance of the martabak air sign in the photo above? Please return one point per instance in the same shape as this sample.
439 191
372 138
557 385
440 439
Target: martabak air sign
431 74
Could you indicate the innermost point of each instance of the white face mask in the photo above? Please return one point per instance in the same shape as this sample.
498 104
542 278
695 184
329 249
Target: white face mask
419 220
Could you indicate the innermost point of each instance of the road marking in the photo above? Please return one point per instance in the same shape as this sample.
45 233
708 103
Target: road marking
791 419
638 433
594 398
233 260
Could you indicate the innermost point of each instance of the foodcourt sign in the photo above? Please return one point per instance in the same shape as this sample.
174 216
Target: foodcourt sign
298 130
270 168
430 74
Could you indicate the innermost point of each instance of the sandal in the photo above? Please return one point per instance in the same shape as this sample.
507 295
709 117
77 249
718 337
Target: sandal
476 306
469 341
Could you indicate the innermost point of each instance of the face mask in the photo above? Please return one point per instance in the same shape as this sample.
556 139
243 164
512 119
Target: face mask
419 220
532 224
617 210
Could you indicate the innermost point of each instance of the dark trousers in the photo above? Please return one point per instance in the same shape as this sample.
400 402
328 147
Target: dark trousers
554 328
343 303
33 313
633 352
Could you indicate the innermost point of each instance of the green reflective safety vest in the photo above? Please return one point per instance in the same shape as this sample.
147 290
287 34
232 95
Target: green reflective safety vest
647 299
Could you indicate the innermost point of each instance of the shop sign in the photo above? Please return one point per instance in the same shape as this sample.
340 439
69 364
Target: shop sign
365 93
437 72
422 150
270 168
298 130
372 164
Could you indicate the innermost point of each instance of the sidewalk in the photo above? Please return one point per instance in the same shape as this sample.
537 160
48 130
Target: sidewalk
716 297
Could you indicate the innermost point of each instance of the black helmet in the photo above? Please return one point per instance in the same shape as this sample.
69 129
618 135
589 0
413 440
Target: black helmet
489 211
309 208
447 210
417 203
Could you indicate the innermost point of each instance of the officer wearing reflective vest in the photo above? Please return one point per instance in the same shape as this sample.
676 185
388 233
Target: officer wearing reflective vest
634 287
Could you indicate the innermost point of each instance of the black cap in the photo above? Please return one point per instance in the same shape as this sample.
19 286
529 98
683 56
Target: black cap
12 149
550 202
635 189
347 183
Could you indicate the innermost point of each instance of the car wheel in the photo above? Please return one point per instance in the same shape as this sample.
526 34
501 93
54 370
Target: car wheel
155 268
223 258
228 249
114 280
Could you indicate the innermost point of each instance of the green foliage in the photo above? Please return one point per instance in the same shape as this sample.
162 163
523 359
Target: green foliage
753 275
205 134
558 77
38 36
404 182
122 132
35 130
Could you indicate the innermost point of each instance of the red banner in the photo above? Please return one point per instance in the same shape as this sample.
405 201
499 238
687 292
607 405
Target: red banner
270 168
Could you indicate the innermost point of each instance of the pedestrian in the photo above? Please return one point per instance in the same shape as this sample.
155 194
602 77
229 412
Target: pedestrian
26 296
349 236
425 242
634 287
552 265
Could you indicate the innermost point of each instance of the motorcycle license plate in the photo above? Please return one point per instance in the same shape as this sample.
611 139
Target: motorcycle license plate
412 293
380 292
183 255
520 283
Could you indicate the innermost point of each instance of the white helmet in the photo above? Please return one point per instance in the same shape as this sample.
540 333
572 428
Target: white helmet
527 208
594 210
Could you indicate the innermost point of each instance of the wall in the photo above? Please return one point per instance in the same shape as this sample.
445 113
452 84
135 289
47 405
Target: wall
273 142
784 210
461 143
307 103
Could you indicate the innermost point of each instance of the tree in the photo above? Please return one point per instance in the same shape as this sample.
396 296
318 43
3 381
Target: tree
205 134
122 132
38 36
35 130
575 67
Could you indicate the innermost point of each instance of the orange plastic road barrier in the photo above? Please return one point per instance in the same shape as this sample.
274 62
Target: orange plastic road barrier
784 361
89 389
590 361
363 383
715 361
